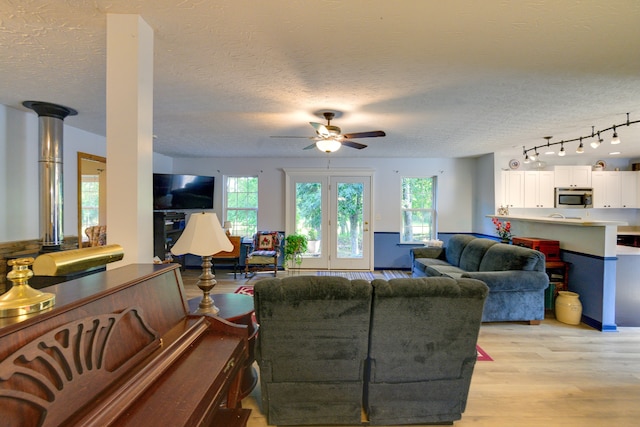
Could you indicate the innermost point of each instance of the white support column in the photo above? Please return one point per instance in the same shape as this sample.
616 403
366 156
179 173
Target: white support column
130 137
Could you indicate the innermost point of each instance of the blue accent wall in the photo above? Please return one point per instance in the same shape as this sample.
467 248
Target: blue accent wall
594 279
389 253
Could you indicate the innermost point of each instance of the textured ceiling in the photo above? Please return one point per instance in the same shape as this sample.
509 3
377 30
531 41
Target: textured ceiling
443 79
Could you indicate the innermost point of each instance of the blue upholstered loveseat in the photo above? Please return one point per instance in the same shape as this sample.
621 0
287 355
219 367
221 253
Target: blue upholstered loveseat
403 350
515 275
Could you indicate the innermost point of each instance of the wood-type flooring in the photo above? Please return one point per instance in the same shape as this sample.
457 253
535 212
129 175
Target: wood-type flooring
549 375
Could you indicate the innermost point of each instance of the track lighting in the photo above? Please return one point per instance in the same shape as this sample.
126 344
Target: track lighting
549 150
531 154
597 141
615 140
561 153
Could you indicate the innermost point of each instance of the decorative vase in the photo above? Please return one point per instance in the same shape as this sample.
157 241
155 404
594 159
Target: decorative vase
568 308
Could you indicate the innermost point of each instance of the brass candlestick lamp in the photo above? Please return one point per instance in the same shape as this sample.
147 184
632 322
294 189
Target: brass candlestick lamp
22 299
205 237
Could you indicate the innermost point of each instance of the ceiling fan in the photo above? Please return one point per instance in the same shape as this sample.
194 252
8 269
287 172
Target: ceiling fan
329 138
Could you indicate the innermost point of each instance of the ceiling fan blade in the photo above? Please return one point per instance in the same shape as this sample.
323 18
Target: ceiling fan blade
371 134
310 146
321 129
353 144
288 136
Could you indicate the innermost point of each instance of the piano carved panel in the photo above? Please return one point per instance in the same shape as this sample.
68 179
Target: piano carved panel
116 350
72 363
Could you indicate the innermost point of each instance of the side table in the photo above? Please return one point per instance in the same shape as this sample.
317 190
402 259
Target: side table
558 272
238 308
563 267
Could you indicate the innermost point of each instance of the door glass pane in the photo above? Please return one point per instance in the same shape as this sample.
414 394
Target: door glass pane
350 220
309 215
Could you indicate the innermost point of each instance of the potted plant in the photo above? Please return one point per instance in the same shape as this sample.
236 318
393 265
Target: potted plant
294 246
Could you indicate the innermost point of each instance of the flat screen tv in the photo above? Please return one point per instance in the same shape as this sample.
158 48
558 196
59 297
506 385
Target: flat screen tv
171 191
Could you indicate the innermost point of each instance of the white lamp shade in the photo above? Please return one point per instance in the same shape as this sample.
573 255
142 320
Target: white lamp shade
203 236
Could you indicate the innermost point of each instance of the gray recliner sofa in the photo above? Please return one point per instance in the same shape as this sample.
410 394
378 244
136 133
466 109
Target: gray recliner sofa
402 350
422 349
515 275
312 348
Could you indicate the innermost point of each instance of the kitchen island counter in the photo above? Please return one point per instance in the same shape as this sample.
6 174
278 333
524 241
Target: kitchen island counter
588 236
571 220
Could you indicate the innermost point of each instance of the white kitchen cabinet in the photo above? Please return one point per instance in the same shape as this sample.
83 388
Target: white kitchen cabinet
606 189
629 189
539 189
513 189
572 176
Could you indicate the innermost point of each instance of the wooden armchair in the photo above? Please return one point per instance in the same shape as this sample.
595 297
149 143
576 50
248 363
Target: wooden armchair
229 257
264 253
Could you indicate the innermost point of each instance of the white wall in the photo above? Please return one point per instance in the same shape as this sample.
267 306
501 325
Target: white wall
19 168
455 185
465 188
19 213
484 194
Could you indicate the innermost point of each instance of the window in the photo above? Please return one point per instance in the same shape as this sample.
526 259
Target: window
241 204
418 209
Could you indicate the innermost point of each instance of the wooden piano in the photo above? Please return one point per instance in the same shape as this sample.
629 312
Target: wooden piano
119 348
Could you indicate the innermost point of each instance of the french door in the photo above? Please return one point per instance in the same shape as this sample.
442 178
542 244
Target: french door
333 209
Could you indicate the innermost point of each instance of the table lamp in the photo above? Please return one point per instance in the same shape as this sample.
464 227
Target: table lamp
227 227
204 237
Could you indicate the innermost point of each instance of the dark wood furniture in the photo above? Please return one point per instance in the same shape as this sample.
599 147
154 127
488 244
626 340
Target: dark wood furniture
120 348
238 309
232 257
167 229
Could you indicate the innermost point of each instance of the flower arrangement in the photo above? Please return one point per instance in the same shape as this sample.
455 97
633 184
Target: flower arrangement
502 229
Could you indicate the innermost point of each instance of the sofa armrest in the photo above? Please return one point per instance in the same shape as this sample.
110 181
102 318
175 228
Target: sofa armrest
511 280
427 252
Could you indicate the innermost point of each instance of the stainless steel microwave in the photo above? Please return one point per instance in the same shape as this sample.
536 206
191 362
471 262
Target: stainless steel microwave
573 197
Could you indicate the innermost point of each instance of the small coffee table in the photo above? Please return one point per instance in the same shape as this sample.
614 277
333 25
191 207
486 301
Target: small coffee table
238 308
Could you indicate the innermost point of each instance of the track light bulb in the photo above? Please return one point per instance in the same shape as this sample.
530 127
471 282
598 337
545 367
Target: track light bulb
526 158
580 148
562 153
615 140
595 143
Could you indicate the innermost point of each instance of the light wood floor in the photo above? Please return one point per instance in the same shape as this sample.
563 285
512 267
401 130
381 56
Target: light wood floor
552 374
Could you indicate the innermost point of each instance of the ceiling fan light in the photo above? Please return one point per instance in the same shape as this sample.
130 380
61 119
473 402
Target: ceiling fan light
328 145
